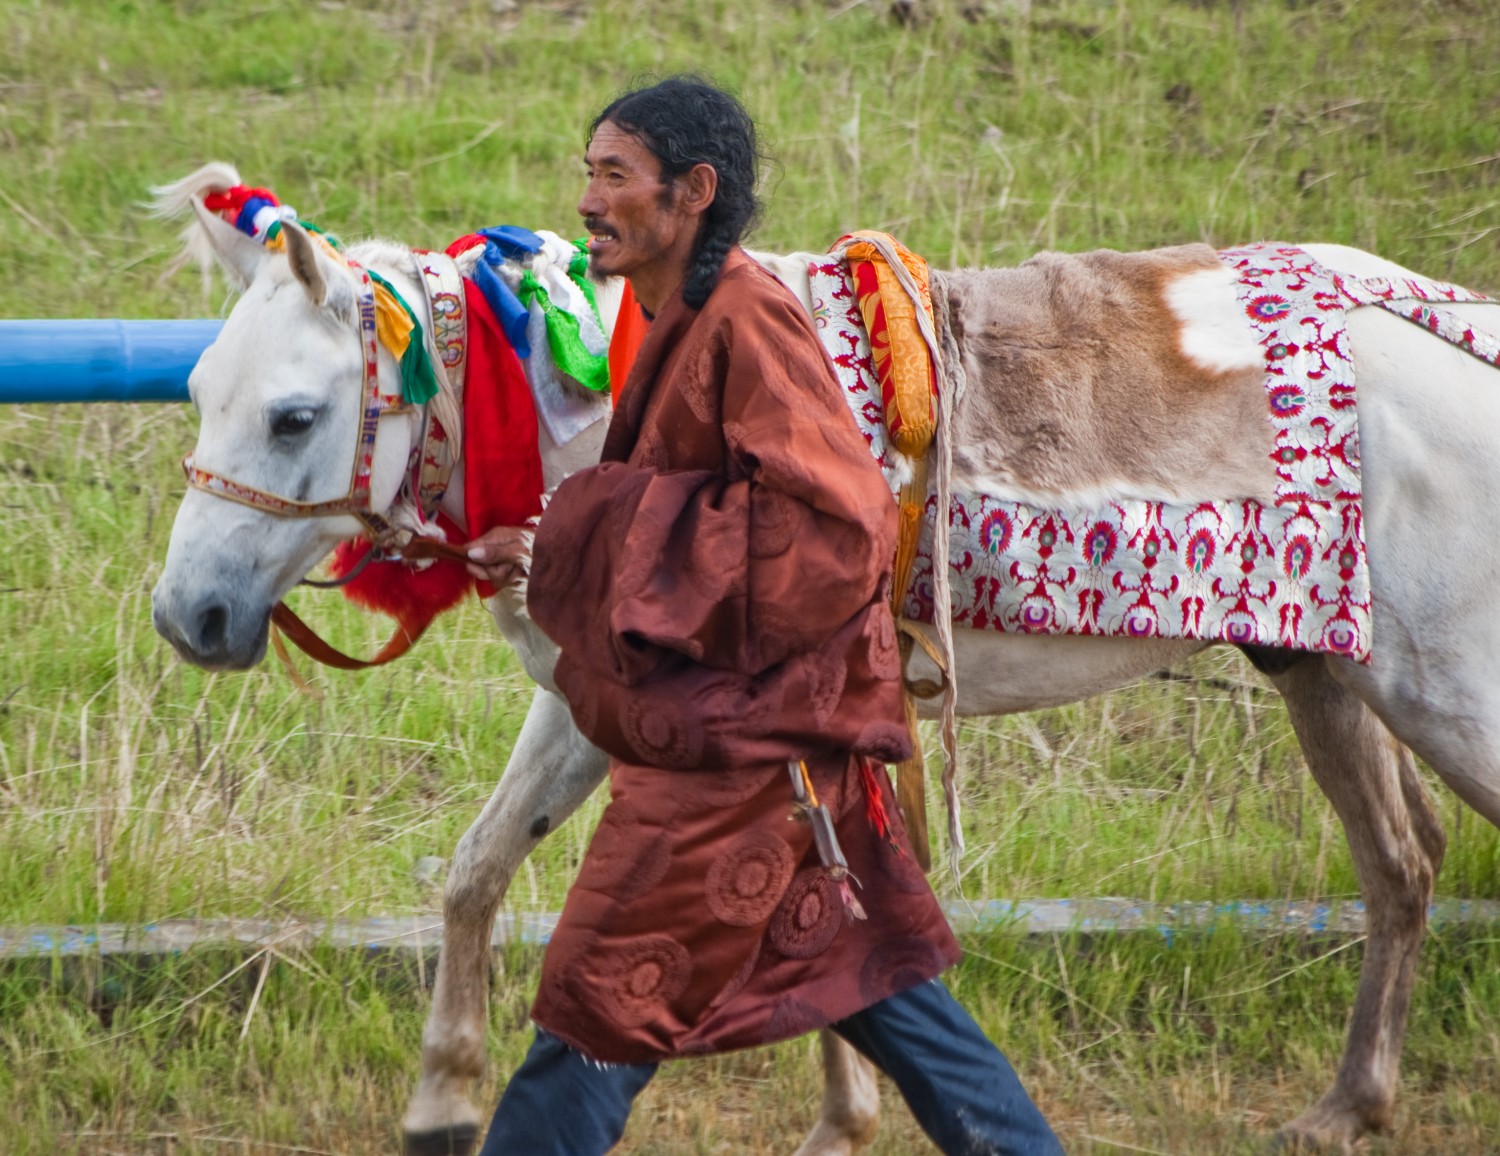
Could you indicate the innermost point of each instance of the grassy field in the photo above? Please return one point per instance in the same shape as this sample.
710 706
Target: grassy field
133 788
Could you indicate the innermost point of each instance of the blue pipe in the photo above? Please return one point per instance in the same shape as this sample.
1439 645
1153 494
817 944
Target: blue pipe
63 361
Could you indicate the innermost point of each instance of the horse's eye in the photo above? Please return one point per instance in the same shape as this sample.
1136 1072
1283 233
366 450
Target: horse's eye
292 422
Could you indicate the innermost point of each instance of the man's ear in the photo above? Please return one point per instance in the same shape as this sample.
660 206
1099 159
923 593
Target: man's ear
700 185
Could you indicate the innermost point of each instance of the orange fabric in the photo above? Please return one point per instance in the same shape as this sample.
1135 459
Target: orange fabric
630 331
903 364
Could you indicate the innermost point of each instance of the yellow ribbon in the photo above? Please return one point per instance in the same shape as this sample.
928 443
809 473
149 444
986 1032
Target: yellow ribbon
392 322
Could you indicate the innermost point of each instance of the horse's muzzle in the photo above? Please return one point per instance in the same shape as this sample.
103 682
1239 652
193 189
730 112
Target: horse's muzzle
209 631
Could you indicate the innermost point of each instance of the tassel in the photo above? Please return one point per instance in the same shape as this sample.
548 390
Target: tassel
875 809
853 908
411 596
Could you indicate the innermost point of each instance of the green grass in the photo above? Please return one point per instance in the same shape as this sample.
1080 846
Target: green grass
134 788
1192 1048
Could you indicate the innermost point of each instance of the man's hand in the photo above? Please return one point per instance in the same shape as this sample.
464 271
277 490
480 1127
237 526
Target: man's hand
500 556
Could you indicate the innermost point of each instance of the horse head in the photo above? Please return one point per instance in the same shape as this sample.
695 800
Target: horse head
287 433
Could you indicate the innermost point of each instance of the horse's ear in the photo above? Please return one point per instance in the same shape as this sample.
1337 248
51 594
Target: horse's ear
240 256
318 275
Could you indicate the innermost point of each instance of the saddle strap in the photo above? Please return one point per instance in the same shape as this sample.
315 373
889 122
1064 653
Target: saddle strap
1421 302
911 772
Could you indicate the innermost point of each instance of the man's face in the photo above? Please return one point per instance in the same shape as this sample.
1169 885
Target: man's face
634 221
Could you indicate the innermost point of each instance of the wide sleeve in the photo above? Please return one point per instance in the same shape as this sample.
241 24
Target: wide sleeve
735 571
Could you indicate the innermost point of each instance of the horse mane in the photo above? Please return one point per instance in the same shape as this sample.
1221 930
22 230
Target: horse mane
175 201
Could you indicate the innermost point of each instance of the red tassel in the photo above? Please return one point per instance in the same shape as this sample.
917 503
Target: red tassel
412 597
875 809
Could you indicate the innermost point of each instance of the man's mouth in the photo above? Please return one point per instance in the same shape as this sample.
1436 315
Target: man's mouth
599 235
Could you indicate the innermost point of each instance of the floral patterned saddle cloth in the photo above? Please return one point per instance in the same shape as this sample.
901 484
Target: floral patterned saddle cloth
1291 573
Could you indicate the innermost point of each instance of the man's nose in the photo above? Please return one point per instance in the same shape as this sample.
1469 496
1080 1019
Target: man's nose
590 204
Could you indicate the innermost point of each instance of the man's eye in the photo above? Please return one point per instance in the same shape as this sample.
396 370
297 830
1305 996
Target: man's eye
293 422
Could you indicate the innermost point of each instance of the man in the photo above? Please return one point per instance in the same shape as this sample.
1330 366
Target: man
718 587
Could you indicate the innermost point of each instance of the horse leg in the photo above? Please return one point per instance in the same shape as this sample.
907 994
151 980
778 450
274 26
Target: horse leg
851 1102
1397 846
551 770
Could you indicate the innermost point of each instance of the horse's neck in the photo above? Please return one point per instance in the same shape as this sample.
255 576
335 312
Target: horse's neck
560 461
557 463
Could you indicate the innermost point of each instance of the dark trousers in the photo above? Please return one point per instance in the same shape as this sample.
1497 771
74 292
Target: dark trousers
962 1091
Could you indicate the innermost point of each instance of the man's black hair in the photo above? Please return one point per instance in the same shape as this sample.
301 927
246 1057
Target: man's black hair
685 121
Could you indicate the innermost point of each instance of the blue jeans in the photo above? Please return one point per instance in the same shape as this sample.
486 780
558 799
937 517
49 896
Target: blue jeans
961 1090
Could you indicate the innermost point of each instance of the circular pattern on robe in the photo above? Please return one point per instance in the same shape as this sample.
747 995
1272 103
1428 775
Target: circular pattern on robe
884 739
639 569
898 965
755 704
885 650
809 916
660 736
826 674
738 981
792 1017
634 981
788 393
745 883
715 565
650 450
774 522
701 399
775 633
729 788
622 869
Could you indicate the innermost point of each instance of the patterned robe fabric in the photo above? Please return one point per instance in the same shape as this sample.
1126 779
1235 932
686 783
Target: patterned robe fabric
718 586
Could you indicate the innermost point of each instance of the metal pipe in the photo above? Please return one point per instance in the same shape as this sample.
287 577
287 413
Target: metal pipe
90 360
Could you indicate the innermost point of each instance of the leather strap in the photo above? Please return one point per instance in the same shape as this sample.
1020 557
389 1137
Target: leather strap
307 640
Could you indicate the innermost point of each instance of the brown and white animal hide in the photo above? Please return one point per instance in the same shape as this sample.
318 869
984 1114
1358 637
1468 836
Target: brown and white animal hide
1106 375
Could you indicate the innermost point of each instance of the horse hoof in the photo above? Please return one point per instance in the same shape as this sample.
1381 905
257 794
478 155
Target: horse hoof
457 1140
1298 1143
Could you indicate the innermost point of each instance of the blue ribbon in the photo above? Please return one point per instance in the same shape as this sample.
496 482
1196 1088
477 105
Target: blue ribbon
245 222
502 242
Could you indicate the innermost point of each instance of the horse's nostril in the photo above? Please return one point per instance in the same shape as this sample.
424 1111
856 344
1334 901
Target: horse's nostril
213 628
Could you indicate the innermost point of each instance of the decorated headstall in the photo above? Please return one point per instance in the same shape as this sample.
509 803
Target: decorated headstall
535 303
383 317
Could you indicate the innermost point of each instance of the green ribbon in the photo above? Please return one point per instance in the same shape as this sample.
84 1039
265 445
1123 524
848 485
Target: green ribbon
569 353
418 382
307 226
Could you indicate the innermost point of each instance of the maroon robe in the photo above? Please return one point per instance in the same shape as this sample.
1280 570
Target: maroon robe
718 586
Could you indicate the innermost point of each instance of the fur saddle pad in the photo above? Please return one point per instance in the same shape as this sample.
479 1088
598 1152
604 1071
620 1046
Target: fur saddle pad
1148 445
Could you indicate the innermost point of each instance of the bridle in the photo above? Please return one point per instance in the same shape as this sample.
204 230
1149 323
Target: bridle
388 541
374 405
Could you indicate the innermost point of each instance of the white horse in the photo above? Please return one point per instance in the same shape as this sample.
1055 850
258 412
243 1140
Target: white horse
279 398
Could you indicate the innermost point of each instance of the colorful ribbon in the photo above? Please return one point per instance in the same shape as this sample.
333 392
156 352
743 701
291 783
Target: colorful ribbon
553 279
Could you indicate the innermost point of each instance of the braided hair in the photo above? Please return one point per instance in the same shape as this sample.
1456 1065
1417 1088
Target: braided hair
685 121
